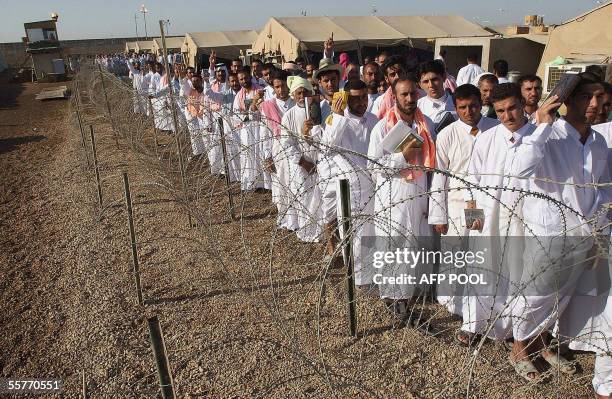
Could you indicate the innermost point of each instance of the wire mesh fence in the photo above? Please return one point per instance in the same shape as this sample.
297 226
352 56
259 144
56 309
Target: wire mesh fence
206 191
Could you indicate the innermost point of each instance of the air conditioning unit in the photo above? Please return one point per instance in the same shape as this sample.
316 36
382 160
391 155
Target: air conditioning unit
554 72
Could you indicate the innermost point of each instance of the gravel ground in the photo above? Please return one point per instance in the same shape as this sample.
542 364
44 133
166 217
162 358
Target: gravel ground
247 311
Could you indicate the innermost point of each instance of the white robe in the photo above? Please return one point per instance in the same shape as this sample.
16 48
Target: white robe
371 100
493 158
400 206
161 101
326 169
232 136
454 146
348 138
468 73
306 197
251 157
140 90
589 317
281 180
556 153
213 134
435 108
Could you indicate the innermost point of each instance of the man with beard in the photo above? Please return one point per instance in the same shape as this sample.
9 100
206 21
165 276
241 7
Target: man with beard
371 77
212 128
247 120
437 102
256 67
446 203
348 136
310 69
393 68
328 76
567 150
194 115
401 191
302 154
486 83
352 71
531 89
236 65
224 98
276 161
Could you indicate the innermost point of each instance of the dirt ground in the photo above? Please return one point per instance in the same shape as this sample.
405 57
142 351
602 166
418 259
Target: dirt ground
247 311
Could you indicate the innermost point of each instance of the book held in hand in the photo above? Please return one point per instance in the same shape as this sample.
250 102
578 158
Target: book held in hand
471 215
401 136
446 120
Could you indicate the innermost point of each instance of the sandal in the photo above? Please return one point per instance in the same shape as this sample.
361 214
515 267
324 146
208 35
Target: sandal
524 368
558 361
466 338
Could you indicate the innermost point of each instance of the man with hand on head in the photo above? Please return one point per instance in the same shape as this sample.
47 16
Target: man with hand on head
347 138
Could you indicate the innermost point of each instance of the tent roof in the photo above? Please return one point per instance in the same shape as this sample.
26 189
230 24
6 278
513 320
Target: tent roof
430 27
171 42
581 39
223 39
145 44
317 29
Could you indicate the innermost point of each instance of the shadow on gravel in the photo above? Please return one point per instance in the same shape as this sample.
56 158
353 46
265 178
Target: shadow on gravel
10 144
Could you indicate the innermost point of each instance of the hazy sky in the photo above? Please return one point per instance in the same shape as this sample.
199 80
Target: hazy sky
115 18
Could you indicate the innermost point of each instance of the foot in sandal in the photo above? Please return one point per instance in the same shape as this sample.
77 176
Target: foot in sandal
558 361
525 368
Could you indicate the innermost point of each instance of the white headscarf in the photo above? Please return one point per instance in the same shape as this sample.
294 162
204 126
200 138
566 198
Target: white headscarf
295 82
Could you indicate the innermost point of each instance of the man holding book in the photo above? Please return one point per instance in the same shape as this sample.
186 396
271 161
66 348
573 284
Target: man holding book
400 179
297 129
560 216
347 137
453 152
438 101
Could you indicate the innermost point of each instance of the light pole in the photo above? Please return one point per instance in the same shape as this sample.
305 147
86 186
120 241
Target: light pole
136 25
144 12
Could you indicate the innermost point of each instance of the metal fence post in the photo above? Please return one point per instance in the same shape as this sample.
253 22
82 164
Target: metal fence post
347 253
161 358
128 204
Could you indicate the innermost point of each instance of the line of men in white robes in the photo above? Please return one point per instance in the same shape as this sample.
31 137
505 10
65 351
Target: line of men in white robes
273 143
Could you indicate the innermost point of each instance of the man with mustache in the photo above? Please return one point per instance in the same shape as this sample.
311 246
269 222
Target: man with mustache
302 154
567 150
401 189
531 89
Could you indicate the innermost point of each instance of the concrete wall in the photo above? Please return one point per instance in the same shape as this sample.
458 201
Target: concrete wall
458 48
15 55
522 54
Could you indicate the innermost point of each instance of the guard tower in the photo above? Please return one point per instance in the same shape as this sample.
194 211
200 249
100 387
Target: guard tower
43 46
